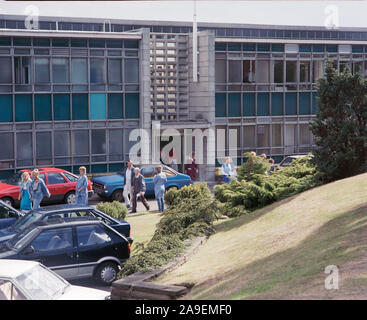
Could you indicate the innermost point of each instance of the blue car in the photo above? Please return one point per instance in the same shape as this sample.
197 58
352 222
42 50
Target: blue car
112 186
64 211
8 215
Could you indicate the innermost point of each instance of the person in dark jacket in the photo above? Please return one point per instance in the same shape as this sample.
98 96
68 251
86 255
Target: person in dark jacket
192 169
139 189
128 174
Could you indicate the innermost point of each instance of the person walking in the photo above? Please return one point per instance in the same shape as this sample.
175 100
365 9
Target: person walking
139 188
192 168
173 161
25 192
128 183
228 170
81 190
160 180
38 189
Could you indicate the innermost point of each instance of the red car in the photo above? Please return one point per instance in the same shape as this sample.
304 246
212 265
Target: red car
60 183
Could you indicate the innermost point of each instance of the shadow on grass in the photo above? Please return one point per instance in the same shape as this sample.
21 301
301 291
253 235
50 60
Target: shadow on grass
290 272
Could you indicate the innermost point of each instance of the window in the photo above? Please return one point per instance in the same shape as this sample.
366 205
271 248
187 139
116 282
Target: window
114 71
22 70
79 70
42 107
290 138
115 106
148 172
97 106
70 177
116 144
62 143
304 71
249 136
91 235
291 103
220 71
43 148
60 70
263 136
80 106
317 70
262 104
131 70
80 142
234 105
248 71
291 71
6 213
99 141
262 71
131 105
55 178
249 104
42 70
234 71
5 67
23 108
9 292
76 214
276 133
57 239
278 71
97 71
220 105
277 104
7 145
61 106
6 105
304 103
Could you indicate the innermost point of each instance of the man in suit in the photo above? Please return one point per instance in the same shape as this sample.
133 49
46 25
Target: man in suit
128 183
139 188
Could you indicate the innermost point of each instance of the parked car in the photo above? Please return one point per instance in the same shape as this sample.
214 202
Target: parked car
30 280
8 215
286 162
73 248
112 186
59 182
72 211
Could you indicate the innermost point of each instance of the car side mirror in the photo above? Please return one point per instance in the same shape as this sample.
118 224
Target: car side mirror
29 250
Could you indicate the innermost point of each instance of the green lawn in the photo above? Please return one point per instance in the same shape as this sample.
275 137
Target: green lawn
281 251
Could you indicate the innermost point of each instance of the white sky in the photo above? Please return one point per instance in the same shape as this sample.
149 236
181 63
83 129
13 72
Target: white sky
304 13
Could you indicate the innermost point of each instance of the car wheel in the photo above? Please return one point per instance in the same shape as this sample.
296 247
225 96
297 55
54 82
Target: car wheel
106 273
70 198
9 201
172 188
117 195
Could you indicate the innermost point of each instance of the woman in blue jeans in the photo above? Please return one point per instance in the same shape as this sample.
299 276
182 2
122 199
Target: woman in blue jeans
160 181
38 189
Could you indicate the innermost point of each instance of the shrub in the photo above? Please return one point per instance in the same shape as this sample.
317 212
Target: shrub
114 209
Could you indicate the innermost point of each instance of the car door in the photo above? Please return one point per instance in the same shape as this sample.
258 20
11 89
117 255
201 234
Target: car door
57 186
93 244
56 249
7 216
148 172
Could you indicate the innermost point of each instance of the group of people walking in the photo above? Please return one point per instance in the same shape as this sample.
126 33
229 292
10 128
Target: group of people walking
33 189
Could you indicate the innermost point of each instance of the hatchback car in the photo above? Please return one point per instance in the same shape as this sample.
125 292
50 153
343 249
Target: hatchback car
112 186
72 248
8 215
59 182
30 280
64 211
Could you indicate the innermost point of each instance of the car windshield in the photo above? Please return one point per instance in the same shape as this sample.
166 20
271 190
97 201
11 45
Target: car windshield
25 221
21 238
41 284
14 179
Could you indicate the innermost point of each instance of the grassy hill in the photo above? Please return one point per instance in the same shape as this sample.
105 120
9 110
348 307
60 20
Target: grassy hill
281 251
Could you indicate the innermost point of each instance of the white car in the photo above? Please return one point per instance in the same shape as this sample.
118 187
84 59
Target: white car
30 280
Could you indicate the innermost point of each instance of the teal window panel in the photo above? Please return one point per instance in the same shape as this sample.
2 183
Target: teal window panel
232 46
315 108
132 105
42 107
249 104
331 48
220 46
5 41
6 108
304 48
60 42
96 43
97 106
357 49
22 42
290 103
277 47
80 106
98 168
116 167
114 43
23 107
41 42
115 106
318 48
78 43
263 104
263 47
61 107
277 104
234 105
304 103
220 105
249 47
131 44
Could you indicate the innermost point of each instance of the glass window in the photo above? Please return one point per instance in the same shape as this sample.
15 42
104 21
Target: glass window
55 178
276 135
290 138
304 103
70 177
248 71
262 104
24 149
234 105
114 71
62 143
304 134
22 70
99 141
234 71
80 142
314 103
23 107
91 235
249 136
277 104
291 71
97 106
317 70
5 67
56 239
220 105
79 70
6 108
115 106
304 71
58 42
262 71
61 106
60 70
116 144
97 71
7 145
220 71
42 107
291 103
43 148
132 105
263 136
8 291
80 106
249 104
131 70
42 70
278 71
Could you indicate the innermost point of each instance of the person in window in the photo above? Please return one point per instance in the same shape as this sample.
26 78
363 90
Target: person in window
38 189
25 192
139 188
82 187
160 180
128 183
